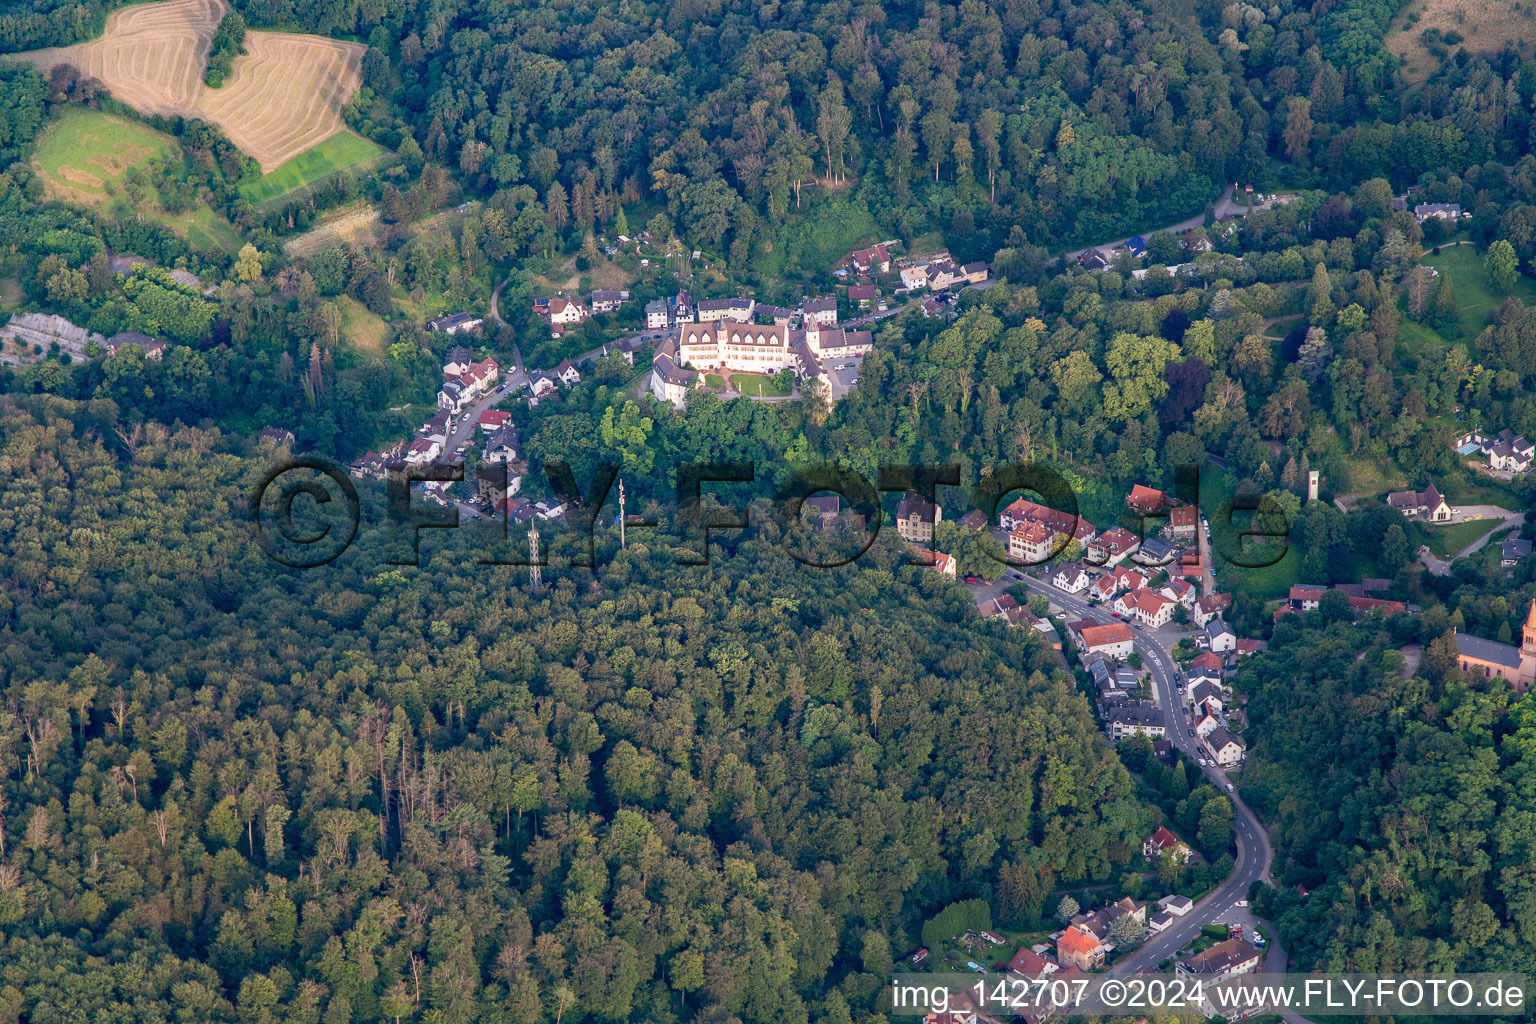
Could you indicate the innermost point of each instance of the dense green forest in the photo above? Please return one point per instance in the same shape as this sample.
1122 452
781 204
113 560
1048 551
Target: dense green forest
737 792
1401 797
647 791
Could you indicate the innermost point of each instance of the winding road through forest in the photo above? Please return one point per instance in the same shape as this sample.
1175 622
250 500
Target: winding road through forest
1254 853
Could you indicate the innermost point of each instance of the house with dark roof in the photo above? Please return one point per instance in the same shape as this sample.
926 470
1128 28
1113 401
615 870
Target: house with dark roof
1226 749
453 323
863 295
1427 504
1514 551
276 436
1233 956
917 517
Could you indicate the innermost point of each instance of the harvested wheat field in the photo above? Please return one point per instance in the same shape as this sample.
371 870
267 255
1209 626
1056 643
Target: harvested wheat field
283 95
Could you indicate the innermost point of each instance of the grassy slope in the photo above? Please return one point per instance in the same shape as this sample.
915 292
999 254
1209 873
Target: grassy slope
1476 301
342 151
84 158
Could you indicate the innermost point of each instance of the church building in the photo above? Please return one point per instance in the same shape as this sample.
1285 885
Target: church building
1487 658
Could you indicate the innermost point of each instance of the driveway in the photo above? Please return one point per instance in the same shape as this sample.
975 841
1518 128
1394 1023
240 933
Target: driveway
1495 516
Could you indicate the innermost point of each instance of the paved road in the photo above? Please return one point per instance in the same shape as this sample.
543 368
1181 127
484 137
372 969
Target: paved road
1496 517
1224 209
464 424
1253 849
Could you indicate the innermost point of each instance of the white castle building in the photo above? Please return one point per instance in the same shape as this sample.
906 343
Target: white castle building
748 348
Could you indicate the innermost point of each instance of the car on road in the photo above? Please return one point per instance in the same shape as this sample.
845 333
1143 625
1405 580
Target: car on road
972 579
1240 903
1229 787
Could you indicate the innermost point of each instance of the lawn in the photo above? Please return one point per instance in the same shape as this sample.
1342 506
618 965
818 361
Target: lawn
1445 541
757 385
85 157
343 151
364 329
1476 300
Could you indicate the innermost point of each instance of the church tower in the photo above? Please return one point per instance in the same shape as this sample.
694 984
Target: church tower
1528 650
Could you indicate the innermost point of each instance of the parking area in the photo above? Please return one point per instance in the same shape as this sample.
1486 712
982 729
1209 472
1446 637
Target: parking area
844 373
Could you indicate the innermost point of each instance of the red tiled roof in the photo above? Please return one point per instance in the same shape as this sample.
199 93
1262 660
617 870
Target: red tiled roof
1074 941
1113 633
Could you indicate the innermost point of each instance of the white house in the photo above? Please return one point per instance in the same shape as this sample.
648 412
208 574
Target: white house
1071 578
1220 636
1225 748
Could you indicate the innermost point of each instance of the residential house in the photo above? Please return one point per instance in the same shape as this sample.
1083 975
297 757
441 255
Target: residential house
1247 646
1437 211
1304 597
1159 923
656 314
1031 965
938 561
1146 500
863 296
943 274
737 309
549 508
779 316
494 483
567 373
1076 948
1093 259
1210 607
605 300
1183 521
976 273
502 446
491 421
822 310
1232 956
541 384
1427 504
276 436
1226 749
1179 591
975 519
1024 511
1220 636
453 396
916 518
1114 640
423 450
1031 544
1178 906
1507 451
1206 721
453 323
1136 245
560 313
1156 552
1206 666
914 279
1514 551
1002 604
1071 578
1206 693
458 360
1151 609
822 510
1113 545
1163 843
876 259
1125 678
435 429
